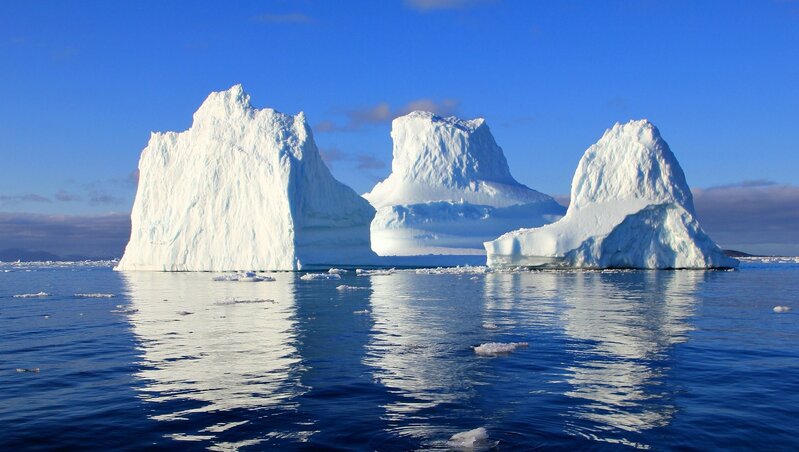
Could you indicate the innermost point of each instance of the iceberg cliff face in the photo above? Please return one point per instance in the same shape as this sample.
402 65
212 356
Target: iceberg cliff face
450 189
242 189
631 207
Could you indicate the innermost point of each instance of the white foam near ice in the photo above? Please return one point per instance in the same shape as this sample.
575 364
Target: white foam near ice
498 348
94 295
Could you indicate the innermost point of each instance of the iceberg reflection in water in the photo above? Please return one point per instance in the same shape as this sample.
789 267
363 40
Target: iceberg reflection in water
631 358
209 346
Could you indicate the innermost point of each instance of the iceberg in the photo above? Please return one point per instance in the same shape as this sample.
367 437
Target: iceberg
242 189
450 189
631 207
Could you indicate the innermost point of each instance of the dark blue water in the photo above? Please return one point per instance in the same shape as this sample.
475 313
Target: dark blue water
662 360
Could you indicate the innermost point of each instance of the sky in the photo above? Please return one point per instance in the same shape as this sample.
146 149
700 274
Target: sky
83 83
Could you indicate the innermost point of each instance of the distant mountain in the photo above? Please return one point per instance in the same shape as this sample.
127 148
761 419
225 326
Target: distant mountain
736 253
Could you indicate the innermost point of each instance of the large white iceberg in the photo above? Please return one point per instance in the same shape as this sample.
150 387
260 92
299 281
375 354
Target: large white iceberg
242 189
450 189
630 208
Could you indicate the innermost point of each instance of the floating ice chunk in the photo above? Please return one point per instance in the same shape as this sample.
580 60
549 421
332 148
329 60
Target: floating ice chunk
365 311
337 271
319 276
32 295
94 295
472 439
459 270
498 348
232 301
346 287
121 309
30 370
244 277
490 325
781 309
376 272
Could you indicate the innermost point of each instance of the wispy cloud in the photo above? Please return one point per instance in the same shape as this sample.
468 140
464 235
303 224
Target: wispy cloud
65 196
437 5
382 113
286 18
94 236
368 161
24 198
361 161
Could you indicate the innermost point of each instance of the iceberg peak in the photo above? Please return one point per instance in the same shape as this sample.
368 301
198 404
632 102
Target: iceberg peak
630 162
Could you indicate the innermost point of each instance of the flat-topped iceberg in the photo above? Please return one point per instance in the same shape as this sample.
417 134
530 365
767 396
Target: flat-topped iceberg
242 189
450 189
631 207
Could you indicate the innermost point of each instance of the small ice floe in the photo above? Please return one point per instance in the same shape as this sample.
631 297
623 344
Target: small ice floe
781 309
377 272
337 271
498 348
346 287
490 326
244 277
233 301
459 270
121 309
476 439
365 311
320 276
32 295
94 295
34 370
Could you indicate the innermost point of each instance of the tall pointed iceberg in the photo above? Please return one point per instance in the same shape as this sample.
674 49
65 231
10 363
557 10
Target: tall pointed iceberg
631 207
450 189
242 189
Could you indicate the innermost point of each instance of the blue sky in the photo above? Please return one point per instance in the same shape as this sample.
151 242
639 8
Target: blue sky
84 83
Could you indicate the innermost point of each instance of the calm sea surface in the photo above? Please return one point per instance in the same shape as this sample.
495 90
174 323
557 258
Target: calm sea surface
616 360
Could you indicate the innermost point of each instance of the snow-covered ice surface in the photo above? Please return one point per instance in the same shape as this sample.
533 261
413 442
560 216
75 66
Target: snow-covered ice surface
631 207
242 189
450 189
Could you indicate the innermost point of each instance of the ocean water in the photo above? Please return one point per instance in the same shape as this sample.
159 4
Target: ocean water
615 360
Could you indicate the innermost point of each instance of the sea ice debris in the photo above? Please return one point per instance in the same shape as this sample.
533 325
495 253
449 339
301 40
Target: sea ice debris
498 348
